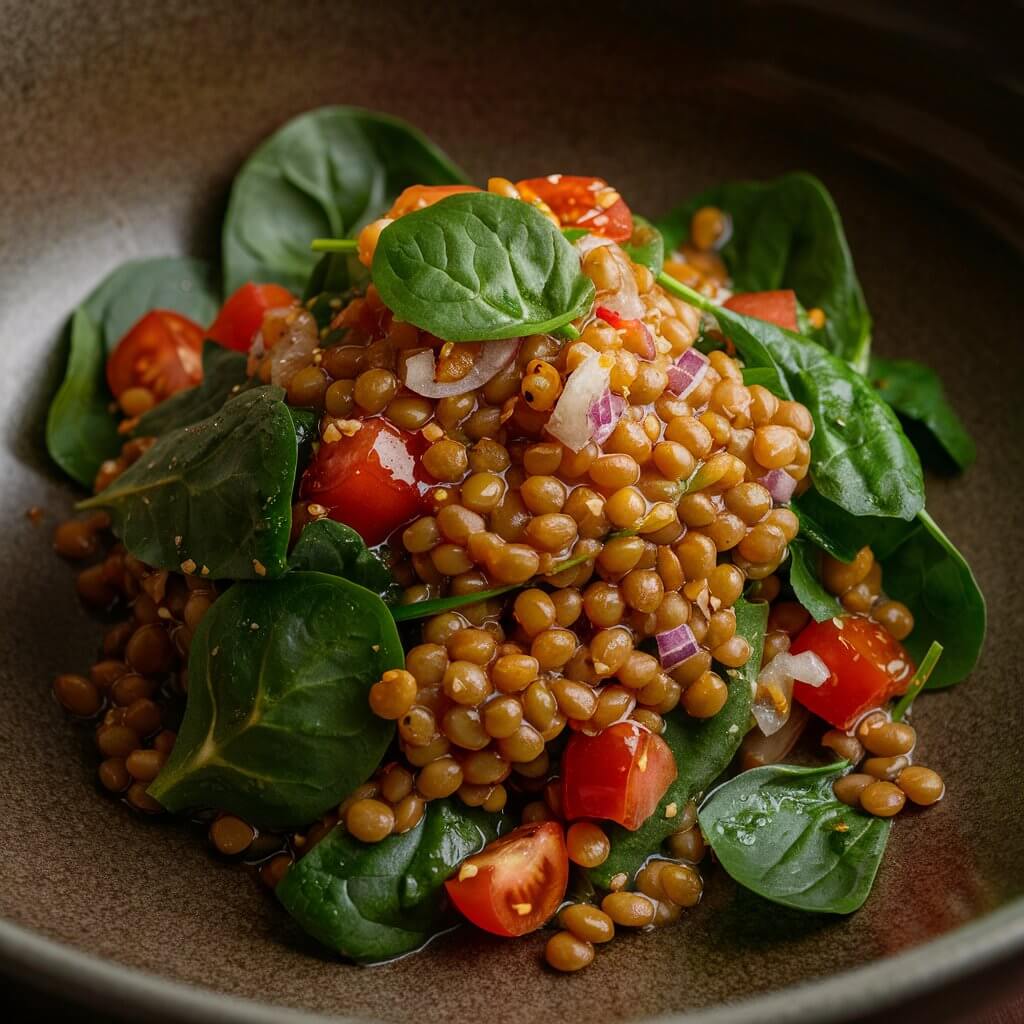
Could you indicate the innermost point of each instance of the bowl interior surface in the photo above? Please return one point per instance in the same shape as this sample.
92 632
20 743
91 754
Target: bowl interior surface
122 128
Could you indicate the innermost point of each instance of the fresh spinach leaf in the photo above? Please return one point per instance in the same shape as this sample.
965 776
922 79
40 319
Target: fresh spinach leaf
646 246
306 424
702 749
81 426
214 496
328 172
223 375
479 266
916 393
374 902
860 457
278 727
920 567
336 279
803 578
787 233
780 832
334 548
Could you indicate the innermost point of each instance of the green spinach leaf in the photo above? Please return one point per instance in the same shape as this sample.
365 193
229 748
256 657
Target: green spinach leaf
214 496
328 172
374 902
702 749
917 395
787 233
334 548
478 266
223 376
780 832
803 578
646 246
860 457
336 279
81 426
278 727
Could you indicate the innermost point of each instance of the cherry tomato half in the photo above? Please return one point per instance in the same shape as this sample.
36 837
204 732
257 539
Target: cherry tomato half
516 883
162 353
620 774
241 316
868 668
777 307
371 481
580 202
418 197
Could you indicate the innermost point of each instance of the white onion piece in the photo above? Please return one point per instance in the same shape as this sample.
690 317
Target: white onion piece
421 368
257 350
570 420
294 350
779 484
774 698
758 750
625 300
590 242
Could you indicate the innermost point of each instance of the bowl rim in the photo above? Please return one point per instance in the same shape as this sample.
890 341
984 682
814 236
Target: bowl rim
94 981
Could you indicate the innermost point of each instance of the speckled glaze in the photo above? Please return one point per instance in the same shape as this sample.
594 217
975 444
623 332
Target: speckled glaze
121 126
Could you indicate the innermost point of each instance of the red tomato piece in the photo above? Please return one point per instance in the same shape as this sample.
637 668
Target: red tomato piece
241 316
516 883
868 668
372 481
777 307
162 353
417 197
581 202
620 774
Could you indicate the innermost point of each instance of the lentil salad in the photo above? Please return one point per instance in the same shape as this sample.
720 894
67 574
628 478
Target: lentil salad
500 546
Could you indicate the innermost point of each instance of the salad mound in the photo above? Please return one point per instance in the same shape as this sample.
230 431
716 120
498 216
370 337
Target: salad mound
490 554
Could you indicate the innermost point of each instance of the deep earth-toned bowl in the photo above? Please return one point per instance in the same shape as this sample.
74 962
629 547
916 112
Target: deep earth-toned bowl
121 124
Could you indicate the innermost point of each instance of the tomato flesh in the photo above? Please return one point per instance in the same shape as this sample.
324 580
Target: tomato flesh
577 202
516 883
868 667
418 197
241 316
645 347
620 774
162 353
778 307
372 481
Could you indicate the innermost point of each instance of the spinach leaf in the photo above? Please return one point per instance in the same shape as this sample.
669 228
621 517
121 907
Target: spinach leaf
81 426
306 424
702 749
478 266
214 496
278 727
373 902
916 393
646 247
920 567
780 832
334 548
860 457
223 375
803 578
327 172
336 279
787 233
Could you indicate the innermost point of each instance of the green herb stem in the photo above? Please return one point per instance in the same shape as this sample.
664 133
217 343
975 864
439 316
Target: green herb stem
566 333
917 684
334 245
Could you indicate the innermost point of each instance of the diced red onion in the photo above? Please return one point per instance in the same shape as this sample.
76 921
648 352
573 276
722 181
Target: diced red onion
675 646
421 368
605 413
570 421
687 372
780 485
294 350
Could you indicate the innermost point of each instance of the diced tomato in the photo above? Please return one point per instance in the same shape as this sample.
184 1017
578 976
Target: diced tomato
581 202
517 883
241 316
868 668
417 197
638 338
372 481
620 774
162 353
777 307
